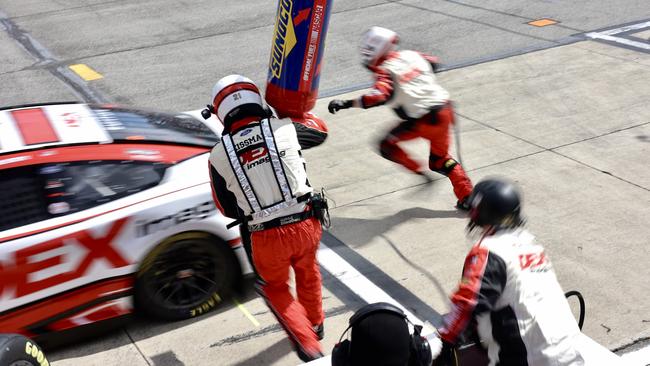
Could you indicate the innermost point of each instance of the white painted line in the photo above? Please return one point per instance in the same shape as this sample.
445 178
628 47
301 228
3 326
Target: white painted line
624 41
360 285
626 28
637 358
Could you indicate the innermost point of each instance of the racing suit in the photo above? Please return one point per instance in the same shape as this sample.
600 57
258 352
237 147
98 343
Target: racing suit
405 80
258 174
510 289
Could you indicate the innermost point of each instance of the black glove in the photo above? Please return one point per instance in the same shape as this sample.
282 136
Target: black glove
446 356
338 104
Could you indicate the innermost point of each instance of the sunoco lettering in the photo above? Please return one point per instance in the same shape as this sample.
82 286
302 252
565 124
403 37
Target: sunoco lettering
280 39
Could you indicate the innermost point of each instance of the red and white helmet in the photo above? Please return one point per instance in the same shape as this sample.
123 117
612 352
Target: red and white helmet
376 43
232 93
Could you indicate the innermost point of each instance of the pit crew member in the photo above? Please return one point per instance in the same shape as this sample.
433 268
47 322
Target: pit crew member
510 289
259 178
405 80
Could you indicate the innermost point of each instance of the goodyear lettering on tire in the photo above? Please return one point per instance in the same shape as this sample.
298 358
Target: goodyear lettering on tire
36 353
208 305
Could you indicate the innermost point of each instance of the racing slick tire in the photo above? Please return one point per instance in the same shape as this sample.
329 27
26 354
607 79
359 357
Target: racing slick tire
185 276
17 350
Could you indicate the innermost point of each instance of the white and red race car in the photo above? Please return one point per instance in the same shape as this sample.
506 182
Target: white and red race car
104 210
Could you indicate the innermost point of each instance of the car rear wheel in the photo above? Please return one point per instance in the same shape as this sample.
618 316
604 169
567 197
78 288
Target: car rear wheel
16 350
185 276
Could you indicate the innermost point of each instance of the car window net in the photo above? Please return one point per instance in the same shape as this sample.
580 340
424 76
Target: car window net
124 124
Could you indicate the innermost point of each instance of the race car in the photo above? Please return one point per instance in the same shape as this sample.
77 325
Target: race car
105 210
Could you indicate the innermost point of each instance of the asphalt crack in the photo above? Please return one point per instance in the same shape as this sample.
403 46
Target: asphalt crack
46 60
270 329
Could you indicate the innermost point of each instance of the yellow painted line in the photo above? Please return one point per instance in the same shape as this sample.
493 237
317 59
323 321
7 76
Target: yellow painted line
542 22
247 313
85 72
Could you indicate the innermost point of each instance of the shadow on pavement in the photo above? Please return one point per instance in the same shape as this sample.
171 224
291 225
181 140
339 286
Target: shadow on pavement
359 232
102 336
425 273
269 355
166 359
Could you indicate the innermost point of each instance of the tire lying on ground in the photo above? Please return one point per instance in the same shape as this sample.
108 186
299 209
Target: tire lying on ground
17 350
185 276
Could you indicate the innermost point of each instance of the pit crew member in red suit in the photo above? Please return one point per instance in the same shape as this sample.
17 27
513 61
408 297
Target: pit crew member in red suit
258 176
405 80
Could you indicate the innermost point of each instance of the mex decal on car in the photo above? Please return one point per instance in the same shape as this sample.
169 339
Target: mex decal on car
23 274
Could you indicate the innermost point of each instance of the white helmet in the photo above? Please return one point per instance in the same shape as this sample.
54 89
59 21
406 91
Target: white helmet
233 92
376 43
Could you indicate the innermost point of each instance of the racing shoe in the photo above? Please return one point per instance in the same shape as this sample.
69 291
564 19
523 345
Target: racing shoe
305 357
463 204
319 330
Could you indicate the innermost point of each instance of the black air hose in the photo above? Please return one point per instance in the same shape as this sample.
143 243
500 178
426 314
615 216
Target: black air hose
581 318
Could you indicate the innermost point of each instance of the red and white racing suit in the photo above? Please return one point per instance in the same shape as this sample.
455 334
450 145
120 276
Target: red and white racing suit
510 288
405 80
258 173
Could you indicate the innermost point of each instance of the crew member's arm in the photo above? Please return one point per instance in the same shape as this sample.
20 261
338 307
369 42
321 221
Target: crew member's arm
484 278
381 92
433 60
223 198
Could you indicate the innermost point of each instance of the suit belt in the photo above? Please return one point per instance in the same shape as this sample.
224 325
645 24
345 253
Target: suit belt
303 198
281 221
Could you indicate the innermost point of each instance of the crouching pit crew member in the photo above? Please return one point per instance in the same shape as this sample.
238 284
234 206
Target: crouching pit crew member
259 178
509 289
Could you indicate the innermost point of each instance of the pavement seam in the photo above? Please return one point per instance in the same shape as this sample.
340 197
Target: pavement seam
49 62
50 12
561 25
473 21
136 347
553 149
326 93
611 56
162 44
542 150
627 346
271 329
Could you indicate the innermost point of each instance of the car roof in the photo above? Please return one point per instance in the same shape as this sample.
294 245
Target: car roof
37 126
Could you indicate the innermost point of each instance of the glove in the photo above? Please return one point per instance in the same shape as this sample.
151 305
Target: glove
338 104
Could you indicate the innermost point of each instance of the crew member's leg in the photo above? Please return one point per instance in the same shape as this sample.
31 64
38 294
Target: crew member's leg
437 132
389 148
307 270
272 252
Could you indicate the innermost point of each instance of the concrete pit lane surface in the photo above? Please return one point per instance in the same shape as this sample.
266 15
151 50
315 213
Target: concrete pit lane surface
551 95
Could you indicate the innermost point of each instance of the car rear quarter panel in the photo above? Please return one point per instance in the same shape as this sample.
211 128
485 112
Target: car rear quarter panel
109 240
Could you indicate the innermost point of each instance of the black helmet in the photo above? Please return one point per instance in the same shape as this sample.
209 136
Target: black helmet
494 203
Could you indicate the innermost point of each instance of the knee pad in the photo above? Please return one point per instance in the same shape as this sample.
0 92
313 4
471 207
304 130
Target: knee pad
387 148
447 166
